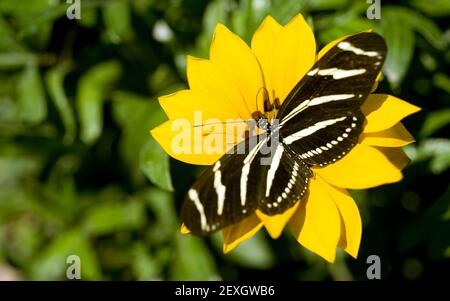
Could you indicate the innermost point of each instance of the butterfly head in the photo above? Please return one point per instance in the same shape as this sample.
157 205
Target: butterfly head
263 123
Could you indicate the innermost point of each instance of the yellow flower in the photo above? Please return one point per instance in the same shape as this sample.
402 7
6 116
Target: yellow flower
225 86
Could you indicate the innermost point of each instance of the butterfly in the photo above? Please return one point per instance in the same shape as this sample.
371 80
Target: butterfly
318 123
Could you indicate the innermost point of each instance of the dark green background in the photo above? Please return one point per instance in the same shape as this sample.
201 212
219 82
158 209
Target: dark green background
79 173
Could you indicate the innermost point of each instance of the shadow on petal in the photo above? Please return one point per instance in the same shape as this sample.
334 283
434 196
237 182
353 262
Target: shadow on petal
276 223
235 234
317 223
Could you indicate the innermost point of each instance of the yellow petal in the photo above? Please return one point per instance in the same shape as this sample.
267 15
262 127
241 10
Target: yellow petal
351 226
184 229
232 55
182 142
364 167
316 223
396 156
377 80
384 111
263 42
184 103
396 136
276 223
237 233
205 76
294 53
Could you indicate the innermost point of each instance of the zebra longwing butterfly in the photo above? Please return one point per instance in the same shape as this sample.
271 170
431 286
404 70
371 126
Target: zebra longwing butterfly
320 121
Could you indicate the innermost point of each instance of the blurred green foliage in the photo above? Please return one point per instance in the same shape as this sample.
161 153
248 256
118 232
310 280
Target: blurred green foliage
80 174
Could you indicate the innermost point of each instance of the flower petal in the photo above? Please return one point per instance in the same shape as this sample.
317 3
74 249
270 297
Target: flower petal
183 104
364 167
231 54
183 142
205 76
294 53
351 226
276 223
317 224
184 229
396 156
377 81
263 42
384 111
396 136
237 233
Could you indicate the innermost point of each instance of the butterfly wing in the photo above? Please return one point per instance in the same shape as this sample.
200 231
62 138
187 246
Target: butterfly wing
321 119
319 122
251 177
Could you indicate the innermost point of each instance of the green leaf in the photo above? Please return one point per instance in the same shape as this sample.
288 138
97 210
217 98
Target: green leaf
145 267
166 223
442 81
313 5
8 42
192 260
254 253
112 217
437 150
89 17
51 263
32 23
163 77
432 227
283 11
91 92
15 60
435 8
31 102
400 41
434 121
136 115
116 15
23 8
423 25
55 84
154 163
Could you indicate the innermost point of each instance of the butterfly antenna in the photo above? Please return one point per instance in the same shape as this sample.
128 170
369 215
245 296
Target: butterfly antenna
220 122
257 94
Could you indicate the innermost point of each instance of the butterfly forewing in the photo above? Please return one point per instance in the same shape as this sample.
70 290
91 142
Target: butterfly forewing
321 119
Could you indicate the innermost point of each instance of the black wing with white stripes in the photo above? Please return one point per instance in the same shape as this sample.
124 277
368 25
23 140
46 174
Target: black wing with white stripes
321 119
319 122
241 182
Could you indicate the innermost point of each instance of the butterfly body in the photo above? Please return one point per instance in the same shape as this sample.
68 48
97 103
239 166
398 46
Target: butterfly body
318 123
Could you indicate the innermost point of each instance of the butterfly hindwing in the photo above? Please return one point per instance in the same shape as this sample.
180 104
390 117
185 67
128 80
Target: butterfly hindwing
237 185
286 181
228 191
